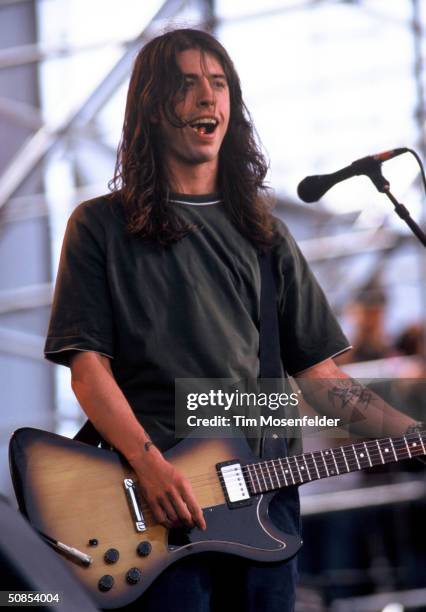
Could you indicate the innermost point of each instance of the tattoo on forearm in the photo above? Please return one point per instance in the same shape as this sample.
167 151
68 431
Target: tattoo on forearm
349 393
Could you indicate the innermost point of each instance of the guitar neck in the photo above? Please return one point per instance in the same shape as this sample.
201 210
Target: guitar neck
287 471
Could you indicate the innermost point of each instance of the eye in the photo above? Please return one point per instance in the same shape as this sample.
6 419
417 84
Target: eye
219 84
188 82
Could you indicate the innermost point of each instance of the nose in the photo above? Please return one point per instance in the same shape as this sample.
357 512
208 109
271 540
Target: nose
206 97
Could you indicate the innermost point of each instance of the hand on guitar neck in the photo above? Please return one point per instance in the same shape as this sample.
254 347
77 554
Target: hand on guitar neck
168 492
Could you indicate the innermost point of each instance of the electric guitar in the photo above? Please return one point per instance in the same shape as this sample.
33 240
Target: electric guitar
84 501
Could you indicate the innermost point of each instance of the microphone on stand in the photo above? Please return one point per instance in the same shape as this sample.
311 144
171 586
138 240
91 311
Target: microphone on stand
312 188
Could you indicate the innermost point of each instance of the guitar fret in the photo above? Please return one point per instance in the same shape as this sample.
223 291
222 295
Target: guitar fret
406 444
356 457
258 481
310 464
290 470
297 467
300 467
330 462
368 454
248 466
283 472
417 449
386 450
335 462
276 474
342 448
326 468
271 486
307 467
263 476
380 451
393 449
363 455
273 473
315 465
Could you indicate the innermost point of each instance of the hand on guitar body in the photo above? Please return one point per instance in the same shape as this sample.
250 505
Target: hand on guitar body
167 491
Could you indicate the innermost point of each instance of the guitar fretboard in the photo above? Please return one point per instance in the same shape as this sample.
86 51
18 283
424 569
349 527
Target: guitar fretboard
278 473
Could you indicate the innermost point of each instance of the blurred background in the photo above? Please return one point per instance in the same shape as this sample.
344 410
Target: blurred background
326 82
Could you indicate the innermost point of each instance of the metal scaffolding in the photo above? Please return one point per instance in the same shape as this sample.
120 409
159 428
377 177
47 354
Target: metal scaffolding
34 393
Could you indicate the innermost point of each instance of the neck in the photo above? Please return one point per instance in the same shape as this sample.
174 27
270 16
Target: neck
275 474
194 179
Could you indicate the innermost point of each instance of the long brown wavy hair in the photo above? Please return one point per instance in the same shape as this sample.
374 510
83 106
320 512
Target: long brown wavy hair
140 181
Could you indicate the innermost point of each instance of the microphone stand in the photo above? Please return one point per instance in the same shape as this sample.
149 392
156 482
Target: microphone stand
383 186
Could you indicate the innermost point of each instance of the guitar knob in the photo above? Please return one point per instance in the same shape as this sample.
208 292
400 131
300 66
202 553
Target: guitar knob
111 556
144 548
105 583
133 575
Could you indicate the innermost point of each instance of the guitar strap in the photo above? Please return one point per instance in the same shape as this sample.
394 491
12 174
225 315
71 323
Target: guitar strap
269 338
272 445
269 355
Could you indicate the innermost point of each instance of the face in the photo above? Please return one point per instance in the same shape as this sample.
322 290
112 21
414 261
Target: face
205 109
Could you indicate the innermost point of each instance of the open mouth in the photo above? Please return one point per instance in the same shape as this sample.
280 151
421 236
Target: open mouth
205 125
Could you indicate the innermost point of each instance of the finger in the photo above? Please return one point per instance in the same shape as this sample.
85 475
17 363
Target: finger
161 516
194 509
182 510
169 509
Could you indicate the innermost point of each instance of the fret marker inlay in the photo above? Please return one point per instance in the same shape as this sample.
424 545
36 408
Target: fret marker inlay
270 475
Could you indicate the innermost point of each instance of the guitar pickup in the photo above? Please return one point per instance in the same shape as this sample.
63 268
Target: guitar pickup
134 502
233 484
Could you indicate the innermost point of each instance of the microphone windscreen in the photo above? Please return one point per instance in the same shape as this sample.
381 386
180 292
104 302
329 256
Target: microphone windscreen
312 188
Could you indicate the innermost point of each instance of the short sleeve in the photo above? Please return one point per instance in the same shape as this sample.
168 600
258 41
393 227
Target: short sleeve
81 317
309 331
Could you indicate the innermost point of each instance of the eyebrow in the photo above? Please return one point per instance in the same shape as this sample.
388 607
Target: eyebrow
218 75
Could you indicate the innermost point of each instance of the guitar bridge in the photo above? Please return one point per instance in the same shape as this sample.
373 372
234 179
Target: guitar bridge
133 499
233 484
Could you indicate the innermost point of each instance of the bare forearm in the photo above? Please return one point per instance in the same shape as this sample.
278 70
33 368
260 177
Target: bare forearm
105 404
167 491
360 410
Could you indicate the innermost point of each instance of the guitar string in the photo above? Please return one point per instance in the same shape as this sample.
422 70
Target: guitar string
373 452
260 487
375 455
332 455
326 458
353 464
335 463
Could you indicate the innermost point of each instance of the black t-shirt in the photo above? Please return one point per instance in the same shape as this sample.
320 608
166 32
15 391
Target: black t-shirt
190 310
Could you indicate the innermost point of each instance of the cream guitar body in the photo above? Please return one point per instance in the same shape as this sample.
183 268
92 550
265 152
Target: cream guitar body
86 498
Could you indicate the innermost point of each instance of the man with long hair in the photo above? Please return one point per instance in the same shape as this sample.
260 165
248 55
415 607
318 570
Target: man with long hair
159 280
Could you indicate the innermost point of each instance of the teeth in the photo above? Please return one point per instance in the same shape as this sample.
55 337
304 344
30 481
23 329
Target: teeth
204 121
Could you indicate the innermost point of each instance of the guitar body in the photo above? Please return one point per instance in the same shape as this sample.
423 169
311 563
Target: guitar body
75 493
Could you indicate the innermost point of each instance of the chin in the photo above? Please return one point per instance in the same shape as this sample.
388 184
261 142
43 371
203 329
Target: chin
201 157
